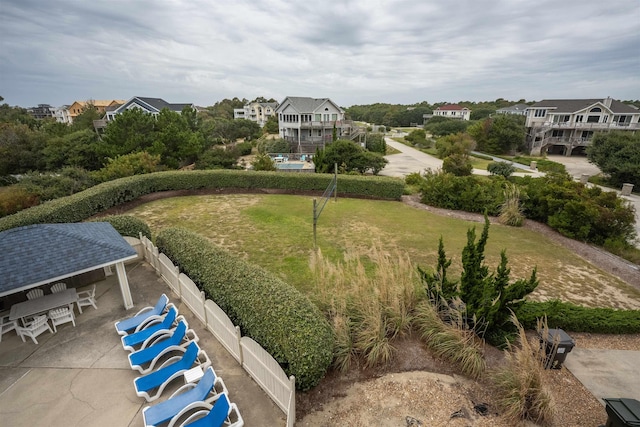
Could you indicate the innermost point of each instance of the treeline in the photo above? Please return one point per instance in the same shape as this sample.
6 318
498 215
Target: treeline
43 159
392 115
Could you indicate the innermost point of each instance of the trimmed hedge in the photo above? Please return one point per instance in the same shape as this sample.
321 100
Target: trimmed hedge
127 225
80 206
275 314
576 318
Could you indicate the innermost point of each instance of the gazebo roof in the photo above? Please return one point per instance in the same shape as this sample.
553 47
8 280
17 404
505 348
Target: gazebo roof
38 254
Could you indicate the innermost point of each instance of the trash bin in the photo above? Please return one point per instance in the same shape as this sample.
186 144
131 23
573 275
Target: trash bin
622 412
556 347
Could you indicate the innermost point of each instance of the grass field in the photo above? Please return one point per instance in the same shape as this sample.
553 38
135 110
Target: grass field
275 232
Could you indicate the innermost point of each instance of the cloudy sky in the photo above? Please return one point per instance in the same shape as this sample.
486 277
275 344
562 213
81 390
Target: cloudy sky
353 51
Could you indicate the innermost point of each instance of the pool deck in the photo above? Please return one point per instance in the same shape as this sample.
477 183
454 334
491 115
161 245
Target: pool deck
80 376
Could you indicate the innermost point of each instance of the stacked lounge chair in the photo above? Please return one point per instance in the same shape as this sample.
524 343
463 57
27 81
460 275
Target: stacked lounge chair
163 348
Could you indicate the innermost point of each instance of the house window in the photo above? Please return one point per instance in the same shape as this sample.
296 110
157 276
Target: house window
587 134
557 133
593 119
334 117
605 119
596 110
579 118
318 117
540 113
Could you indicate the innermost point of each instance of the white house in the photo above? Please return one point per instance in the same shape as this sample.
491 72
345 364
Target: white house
258 112
309 122
567 125
453 111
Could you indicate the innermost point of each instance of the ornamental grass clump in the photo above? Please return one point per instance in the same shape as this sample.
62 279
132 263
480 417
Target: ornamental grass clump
521 388
511 212
451 340
369 298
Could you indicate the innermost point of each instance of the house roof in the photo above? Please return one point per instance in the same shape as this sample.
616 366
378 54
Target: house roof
154 104
516 107
100 102
305 104
34 255
451 107
572 105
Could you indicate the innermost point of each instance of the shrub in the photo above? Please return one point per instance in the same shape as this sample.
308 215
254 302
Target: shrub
262 162
81 206
218 158
466 193
16 198
576 318
501 168
414 179
276 315
244 148
128 165
458 165
127 225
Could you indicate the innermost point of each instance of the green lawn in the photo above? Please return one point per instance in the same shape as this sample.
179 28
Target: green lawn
275 232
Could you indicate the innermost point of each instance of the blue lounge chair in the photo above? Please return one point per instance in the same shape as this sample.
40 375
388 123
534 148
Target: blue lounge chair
223 413
152 332
124 326
150 386
145 360
208 388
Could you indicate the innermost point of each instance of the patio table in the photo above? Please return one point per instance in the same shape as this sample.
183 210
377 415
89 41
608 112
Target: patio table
43 304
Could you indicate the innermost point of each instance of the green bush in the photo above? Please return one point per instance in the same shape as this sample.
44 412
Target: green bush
16 198
244 148
576 318
276 315
127 225
501 168
466 193
94 200
457 164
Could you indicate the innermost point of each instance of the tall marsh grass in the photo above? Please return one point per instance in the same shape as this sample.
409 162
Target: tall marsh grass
369 297
520 383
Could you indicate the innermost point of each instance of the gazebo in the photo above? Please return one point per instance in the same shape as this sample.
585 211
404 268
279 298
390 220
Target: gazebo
35 255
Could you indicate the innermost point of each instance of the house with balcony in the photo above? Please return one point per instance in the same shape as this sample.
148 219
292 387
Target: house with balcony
453 111
566 126
258 112
308 123
151 106
42 111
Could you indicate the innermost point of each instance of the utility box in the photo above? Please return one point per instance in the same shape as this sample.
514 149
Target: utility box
556 347
622 412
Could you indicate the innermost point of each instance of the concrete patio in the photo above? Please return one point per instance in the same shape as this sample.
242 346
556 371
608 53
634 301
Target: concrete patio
81 376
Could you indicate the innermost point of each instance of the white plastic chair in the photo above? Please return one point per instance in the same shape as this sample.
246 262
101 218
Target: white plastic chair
86 298
6 325
58 287
35 293
62 315
37 326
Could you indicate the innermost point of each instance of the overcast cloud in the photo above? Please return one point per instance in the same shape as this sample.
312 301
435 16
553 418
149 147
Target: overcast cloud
353 51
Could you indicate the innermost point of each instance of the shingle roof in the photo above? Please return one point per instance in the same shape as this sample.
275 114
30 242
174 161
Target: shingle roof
516 107
159 104
305 104
451 107
572 105
41 253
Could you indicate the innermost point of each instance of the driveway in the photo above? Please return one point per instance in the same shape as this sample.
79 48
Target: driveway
408 161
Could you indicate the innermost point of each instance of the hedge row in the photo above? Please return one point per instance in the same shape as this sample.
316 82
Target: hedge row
80 206
576 318
127 225
275 314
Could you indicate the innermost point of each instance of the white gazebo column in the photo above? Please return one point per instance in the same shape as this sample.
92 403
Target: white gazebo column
124 285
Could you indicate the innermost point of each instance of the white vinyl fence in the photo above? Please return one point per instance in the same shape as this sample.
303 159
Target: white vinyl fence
262 367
